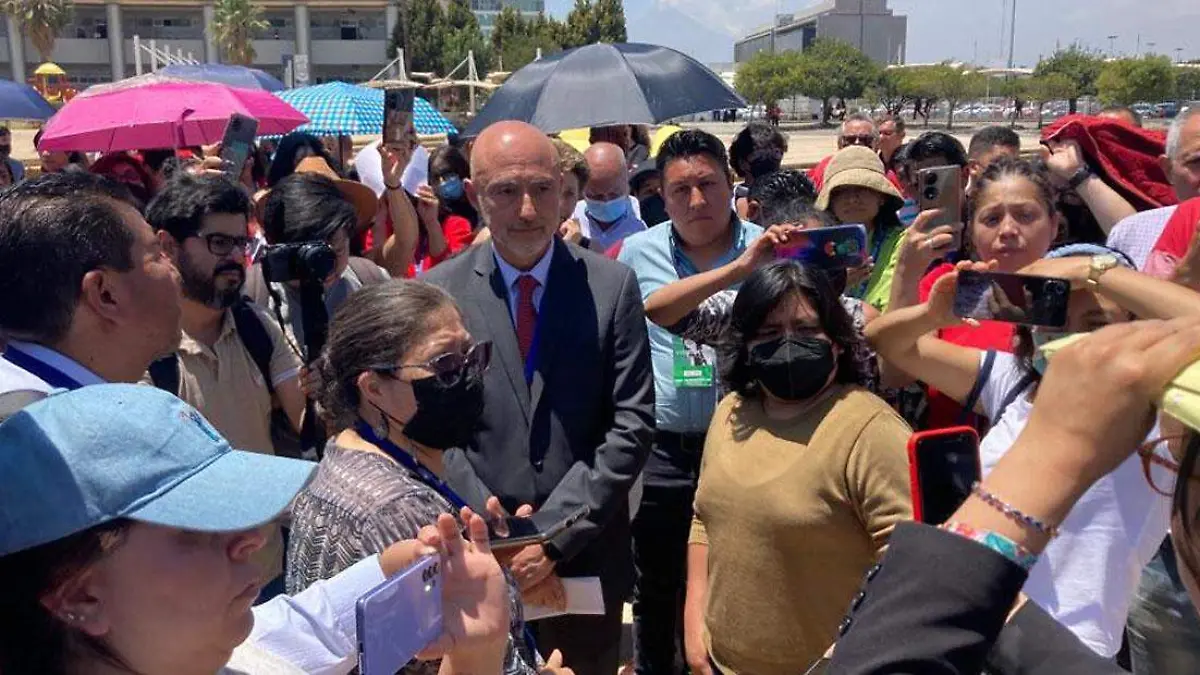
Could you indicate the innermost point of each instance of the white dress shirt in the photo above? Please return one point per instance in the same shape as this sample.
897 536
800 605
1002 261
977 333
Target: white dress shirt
15 378
510 274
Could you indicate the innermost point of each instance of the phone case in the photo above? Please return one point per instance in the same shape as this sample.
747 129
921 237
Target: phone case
399 618
940 187
914 462
1012 298
828 248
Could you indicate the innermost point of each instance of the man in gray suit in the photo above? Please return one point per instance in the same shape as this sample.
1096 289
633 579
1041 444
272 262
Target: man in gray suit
569 409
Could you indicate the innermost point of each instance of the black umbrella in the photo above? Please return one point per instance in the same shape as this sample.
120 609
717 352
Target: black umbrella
605 84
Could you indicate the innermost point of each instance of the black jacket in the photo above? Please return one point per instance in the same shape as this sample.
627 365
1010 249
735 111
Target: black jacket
937 604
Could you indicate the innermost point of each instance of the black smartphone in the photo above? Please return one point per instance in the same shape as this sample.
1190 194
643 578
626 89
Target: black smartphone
940 187
397 115
943 464
828 248
1013 298
536 529
239 136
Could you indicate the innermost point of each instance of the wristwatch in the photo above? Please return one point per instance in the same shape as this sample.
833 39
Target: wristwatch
1099 265
1081 174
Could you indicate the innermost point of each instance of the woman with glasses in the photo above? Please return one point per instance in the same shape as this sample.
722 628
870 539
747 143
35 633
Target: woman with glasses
1087 575
400 383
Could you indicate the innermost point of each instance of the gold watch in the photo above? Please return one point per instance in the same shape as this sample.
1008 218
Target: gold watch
1099 265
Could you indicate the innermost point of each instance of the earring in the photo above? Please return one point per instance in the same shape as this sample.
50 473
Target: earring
72 617
381 430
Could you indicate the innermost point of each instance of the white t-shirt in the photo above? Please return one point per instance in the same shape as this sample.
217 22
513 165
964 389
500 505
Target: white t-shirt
1087 575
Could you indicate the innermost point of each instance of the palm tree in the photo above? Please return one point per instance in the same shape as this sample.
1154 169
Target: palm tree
41 20
235 22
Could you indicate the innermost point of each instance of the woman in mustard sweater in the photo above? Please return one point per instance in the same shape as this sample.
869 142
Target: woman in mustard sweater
804 476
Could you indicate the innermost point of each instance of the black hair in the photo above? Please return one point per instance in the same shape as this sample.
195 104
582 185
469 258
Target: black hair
155 159
1124 110
1031 170
898 120
757 150
456 161
4 130
183 203
990 137
374 328
690 143
54 229
306 207
936 144
780 188
177 166
759 295
284 163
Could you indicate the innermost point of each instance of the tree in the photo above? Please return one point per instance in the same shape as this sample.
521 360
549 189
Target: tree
1187 84
516 40
830 69
767 78
917 83
461 37
609 16
1082 68
1050 87
888 91
1127 81
234 25
41 20
954 84
581 27
420 32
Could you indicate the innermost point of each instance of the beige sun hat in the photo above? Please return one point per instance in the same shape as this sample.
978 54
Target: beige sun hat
856 165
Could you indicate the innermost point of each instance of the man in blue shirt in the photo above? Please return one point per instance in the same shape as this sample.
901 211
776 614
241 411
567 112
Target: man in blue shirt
703 233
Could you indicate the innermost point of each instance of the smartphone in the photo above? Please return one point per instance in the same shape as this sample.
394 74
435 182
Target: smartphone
1013 298
397 114
940 187
828 248
399 617
536 529
943 464
239 136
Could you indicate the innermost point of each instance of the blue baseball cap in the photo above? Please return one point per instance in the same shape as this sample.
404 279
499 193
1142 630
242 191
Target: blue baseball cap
81 458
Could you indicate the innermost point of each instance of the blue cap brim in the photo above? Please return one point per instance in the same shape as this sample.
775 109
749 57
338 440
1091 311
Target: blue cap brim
238 491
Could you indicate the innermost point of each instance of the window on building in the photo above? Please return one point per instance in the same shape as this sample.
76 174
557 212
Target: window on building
101 32
349 30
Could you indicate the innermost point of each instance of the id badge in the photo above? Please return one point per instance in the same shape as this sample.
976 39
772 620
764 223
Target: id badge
692 364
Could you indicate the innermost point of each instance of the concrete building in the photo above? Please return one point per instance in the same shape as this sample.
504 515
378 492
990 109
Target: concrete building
343 39
867 24
486 11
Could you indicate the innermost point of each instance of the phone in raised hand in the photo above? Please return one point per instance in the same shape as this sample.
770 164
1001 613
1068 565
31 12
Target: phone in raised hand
240 132
827 248
399 618
1013 298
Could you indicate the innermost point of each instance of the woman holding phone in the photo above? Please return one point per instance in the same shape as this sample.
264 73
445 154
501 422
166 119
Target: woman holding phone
1087 575
401 382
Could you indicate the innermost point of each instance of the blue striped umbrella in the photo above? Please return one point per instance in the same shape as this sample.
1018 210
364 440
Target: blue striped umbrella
339 108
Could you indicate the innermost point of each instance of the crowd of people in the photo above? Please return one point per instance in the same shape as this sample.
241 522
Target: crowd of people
538 329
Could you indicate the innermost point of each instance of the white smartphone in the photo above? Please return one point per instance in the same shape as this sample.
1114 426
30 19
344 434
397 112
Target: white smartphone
399 618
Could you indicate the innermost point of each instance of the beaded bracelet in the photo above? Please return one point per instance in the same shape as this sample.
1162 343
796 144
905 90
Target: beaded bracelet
996 542
1012 513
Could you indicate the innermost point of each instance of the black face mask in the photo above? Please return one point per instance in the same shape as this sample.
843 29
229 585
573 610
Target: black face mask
447 415
793 369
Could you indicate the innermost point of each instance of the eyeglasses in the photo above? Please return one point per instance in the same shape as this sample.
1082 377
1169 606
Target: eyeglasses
222 245
1151 458
865 140
450 368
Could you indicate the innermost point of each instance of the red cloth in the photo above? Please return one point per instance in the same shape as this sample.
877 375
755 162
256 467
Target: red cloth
614 250
526 313
456 230
817 175
1176 239
944 411
1125 156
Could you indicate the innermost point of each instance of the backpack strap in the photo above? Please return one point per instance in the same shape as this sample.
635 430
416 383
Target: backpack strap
165 373
255 337
985 371
1022 385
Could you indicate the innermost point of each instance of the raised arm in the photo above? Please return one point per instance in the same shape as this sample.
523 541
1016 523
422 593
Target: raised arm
1105 203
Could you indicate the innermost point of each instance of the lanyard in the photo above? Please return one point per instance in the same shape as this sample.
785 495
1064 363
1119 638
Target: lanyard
409 462
46 372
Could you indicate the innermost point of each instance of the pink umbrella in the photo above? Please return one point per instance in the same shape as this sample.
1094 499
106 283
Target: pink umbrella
162 114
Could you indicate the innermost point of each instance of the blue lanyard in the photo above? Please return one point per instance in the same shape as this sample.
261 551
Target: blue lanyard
40 369
409 462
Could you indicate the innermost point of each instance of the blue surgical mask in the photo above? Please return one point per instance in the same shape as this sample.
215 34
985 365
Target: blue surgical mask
451 188
1041 338
608 212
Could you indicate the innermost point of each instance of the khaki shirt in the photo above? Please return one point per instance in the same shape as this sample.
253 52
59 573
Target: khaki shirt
226 386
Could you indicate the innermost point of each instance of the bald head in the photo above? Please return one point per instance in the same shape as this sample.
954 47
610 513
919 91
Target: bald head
608 174
516 185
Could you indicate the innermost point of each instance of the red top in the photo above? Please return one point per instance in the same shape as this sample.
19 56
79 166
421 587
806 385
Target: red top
944 411
1175 240
456 230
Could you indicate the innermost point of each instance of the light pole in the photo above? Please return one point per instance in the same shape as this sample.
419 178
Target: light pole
1150 46
1112 49
1012 34
1179 55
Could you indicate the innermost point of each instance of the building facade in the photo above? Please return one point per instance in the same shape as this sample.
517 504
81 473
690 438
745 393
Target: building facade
869 25
343 39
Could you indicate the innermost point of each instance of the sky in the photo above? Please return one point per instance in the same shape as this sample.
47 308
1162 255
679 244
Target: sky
963 30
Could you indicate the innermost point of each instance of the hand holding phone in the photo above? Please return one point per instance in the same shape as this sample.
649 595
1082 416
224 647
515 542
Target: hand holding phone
827 248
399 617
940 188
1013 298
536 529
397 118
943 465
237 142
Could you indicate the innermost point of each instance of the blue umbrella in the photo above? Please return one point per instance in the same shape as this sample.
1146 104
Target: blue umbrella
20 101
336 108
234 76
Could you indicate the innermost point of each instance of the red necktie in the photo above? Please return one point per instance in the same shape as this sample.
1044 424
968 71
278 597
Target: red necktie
526 313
